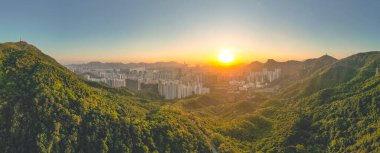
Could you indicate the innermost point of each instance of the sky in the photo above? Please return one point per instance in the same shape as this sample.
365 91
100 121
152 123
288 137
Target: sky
193 31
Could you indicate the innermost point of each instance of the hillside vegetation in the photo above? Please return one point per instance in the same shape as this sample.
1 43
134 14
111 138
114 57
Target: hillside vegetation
325 105
333 108
46 108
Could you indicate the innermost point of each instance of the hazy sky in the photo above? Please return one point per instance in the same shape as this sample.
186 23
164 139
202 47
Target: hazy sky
75 31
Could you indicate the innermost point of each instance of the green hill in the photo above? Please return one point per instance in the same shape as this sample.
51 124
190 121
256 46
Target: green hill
334 110
329 105
350 70
46 108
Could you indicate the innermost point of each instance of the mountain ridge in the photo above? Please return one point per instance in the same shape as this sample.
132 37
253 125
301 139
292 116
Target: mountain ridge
327 105
44 107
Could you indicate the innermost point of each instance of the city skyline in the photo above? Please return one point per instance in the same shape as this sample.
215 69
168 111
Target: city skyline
180 76
192 31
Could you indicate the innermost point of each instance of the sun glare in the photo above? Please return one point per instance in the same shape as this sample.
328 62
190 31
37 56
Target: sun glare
225 56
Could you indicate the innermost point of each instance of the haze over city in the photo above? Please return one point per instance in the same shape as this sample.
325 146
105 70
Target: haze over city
189 76
193 31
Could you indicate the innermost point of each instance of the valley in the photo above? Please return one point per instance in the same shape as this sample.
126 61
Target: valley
331 107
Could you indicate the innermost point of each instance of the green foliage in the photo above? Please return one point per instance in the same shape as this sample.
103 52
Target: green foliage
46 108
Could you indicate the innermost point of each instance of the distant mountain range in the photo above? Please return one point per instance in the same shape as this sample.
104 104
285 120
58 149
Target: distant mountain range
325 105
293 67
293 71
128 65
289 67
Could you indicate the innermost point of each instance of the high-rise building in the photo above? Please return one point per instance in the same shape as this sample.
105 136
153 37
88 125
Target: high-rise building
264 77
173 89
86 76
133 84
116 83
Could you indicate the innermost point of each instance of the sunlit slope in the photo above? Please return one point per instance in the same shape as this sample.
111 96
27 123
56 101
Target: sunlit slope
46 108
294 71
350 70
330 106
333 109
348 117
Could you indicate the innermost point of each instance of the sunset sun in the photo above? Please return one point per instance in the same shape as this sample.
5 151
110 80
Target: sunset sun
225 56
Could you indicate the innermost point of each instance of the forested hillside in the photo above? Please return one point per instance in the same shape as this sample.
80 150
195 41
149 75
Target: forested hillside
335 108
46 108
330 106
341 106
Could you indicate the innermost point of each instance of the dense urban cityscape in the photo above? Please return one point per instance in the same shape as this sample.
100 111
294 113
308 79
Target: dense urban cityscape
189 76
174 81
